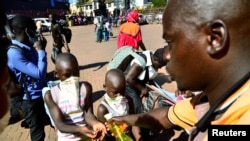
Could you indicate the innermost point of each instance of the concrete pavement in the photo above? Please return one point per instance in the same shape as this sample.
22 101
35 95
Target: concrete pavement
93 58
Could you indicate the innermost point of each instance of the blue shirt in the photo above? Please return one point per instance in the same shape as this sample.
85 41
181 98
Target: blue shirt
32 65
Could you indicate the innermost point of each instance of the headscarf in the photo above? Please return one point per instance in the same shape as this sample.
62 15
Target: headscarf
132 16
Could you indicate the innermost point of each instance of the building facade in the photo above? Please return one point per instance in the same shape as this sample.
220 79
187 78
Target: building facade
92 5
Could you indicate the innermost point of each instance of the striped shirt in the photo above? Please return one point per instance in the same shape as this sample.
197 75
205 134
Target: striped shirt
72 112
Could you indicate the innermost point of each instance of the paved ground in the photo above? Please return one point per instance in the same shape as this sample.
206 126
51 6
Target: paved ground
93 58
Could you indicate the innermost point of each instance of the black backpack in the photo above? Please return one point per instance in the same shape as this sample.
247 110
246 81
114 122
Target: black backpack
15 86
67 33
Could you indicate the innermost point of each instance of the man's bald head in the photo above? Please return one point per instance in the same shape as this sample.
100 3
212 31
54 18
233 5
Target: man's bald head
208 10
212 36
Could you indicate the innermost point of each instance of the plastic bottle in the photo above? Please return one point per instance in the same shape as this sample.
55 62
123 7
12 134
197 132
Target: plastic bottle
116 130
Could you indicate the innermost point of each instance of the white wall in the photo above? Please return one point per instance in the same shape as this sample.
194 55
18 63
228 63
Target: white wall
116 4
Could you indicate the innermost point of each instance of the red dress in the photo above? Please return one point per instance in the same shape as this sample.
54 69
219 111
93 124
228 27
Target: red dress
129 35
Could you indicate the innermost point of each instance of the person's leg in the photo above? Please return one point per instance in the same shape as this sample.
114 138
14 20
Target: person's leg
35 117
15 110
104 35
55 51
107 35
99 35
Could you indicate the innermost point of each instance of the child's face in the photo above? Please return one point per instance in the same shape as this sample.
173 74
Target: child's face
66 70
113 91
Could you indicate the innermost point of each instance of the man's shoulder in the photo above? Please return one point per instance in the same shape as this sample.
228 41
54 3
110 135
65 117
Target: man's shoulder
15 50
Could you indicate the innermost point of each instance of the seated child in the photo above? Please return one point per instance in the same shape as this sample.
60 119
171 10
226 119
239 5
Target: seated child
115 101
70 103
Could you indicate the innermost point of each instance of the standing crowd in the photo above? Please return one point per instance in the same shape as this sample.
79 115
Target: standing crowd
207 51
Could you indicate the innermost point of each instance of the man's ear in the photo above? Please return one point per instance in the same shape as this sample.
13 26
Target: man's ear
217 38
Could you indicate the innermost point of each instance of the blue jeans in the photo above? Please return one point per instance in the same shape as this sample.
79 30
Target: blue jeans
55 52
135 96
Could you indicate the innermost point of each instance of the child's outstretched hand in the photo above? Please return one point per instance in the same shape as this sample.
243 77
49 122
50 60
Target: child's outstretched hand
100 131
86 131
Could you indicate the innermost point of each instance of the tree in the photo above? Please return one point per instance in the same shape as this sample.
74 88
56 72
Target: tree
80 3
103 8
159 3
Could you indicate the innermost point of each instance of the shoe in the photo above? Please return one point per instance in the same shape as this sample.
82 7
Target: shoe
13 120
24 124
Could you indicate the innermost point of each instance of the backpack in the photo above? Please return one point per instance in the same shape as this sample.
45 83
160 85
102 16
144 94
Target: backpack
14 87
67 33
123 56
15 91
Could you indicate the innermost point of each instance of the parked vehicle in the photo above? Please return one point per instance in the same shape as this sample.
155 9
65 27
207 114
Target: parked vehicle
142 19
158 18
46 24
150 18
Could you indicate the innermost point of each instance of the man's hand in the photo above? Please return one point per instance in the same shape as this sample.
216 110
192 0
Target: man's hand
186 93
118 121
84 130
41 43
144 92
67 48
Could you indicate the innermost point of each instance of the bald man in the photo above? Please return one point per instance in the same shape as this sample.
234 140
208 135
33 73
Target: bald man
208 50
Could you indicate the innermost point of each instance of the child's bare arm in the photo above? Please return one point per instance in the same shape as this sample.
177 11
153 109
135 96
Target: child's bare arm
58 119
90 118
101 111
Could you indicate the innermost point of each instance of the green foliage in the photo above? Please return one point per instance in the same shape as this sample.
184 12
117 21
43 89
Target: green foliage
80 3
159 3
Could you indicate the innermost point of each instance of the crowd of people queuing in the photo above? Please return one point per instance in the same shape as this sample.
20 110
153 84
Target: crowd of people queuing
207 50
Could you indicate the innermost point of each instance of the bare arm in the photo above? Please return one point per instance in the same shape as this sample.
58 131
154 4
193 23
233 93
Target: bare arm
156 119
65 43
88 108
131 78
60 30
58 119
101 111
90 118
142 46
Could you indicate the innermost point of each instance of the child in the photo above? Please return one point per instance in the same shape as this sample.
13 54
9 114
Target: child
107 30
115 101
70 105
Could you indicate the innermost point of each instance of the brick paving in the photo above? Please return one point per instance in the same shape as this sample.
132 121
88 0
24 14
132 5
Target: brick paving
93 58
